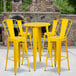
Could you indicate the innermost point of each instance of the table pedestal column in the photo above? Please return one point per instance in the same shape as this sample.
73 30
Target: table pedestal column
35 35
39 42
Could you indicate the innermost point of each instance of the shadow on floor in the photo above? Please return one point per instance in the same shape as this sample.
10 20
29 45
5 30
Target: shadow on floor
55 70
39 65
19 70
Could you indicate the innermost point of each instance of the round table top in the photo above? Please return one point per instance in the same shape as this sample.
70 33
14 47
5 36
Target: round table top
37 24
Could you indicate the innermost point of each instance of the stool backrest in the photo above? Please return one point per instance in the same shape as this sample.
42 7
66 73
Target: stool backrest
20 25
55 25
9 27
65 27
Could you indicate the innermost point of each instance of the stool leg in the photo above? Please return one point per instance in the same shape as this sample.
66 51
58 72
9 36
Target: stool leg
46 60
23 52
43 44
55 54
31 43
27 55
67 54
7 55
59 55
19 54
15 56
50 50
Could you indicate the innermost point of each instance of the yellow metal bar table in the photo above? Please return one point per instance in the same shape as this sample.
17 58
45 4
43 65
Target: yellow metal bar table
36 27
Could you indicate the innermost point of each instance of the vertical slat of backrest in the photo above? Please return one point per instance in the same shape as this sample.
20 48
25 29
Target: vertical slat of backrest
54 26
64 25
5 26
20 26
69 26
10 27
58 25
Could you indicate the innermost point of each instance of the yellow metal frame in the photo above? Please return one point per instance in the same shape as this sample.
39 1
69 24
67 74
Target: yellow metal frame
55 28
36 28
16 41
24 34
57 40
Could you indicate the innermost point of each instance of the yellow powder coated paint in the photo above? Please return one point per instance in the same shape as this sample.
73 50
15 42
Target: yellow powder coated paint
16 41
36 28
58 40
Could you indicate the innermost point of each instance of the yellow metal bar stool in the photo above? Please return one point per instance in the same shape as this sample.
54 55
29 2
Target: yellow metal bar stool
65 27
23 34
9 28
55 28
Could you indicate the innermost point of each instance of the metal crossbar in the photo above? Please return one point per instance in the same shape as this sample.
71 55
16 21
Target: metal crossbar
64 57
10 58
